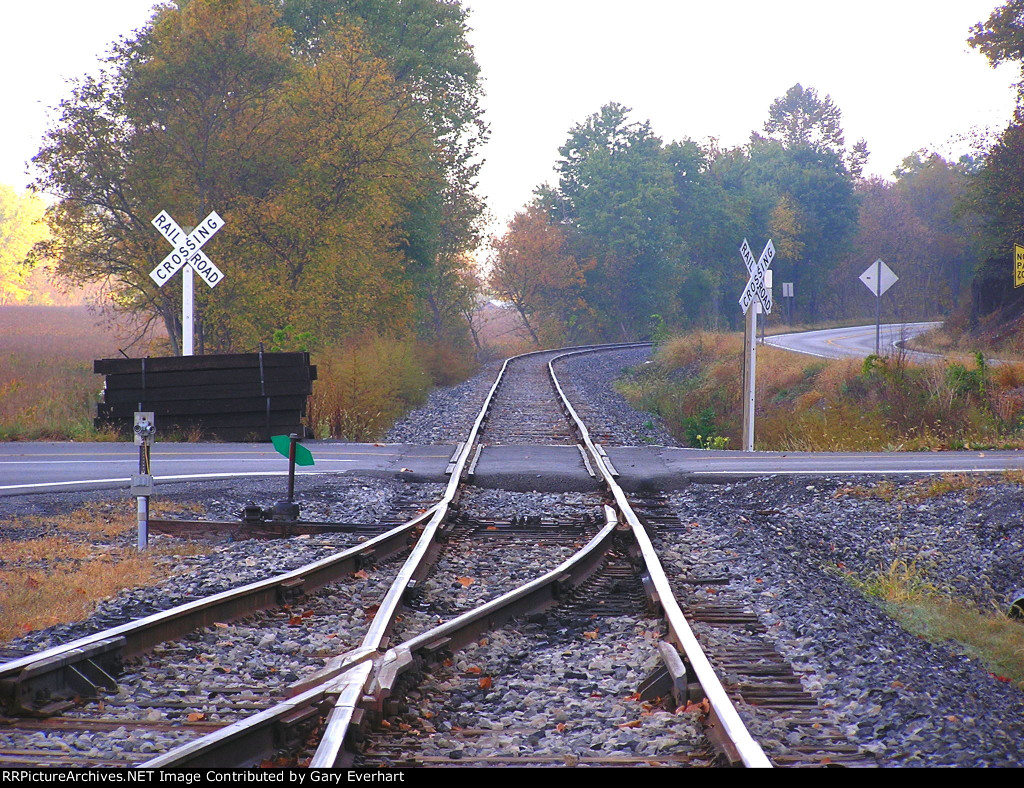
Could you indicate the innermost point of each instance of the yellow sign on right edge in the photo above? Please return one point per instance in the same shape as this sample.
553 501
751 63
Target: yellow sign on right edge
1018 265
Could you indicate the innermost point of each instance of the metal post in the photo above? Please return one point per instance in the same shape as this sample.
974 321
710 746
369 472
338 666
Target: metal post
187 310
142 483
878 304
749 375
292 440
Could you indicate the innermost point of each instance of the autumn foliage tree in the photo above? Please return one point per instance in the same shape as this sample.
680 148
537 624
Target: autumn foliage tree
532 269
317 154
20 230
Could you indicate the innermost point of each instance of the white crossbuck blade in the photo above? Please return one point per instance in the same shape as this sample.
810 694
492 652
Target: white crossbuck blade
188 249
755 285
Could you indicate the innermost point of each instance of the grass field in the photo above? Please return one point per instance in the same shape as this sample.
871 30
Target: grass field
47 386
807 404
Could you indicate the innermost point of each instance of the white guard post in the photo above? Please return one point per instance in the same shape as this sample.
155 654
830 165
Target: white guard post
754 293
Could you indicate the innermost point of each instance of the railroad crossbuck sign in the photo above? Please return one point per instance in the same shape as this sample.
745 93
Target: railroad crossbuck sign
1018 265
755 285
188 249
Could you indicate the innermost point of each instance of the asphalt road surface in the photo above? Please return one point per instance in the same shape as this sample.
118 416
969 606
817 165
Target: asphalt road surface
852 342
56 467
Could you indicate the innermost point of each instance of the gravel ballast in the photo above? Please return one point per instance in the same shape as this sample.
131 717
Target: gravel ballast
785 543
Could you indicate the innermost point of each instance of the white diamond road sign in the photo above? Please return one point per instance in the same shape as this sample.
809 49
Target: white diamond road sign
188 249
755 286
878 278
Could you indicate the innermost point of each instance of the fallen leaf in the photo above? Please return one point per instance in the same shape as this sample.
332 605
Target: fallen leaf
953 718
428 715
371 611
295 621
633 724
590 635
560 727
476 671
404 726
219 625
465 581
485 682
196 716
362 574
492 528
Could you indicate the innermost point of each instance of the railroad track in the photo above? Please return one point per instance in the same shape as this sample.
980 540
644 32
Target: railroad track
595 562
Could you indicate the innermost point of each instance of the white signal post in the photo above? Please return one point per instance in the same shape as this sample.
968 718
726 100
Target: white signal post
188 254
756 292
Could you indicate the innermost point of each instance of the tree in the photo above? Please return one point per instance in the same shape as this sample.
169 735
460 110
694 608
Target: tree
999 198
615 189
1001 38
532 270
801 119
20 230
424 43
319 160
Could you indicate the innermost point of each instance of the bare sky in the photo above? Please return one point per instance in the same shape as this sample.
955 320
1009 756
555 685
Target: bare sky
900 70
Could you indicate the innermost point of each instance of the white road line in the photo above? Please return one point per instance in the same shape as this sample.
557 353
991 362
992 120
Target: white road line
183 477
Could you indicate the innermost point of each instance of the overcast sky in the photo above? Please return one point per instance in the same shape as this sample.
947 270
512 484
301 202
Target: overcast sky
900 71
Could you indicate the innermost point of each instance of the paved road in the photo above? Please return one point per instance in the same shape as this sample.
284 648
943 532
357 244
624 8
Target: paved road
851 342
51 467
55 467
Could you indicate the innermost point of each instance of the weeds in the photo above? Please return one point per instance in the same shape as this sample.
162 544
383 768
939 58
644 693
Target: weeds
925 610
880 404
66 564
363 387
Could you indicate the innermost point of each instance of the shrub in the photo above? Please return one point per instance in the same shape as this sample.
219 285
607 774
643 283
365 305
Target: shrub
363 386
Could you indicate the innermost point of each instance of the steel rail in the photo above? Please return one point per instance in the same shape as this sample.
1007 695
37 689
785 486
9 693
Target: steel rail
724 714
68 669
345 681
537 594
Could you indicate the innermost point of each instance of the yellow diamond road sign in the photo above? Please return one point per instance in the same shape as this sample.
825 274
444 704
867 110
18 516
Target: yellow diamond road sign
1018 265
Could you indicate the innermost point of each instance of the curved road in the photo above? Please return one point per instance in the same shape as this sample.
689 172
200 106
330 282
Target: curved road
851 342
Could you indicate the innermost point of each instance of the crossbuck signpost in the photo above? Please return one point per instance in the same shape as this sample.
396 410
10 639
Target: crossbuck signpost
753 294
187 255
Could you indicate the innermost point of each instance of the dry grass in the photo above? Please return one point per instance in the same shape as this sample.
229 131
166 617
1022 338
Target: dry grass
363 387
47 387
35 599
932 487
925 610
71 562
819 405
